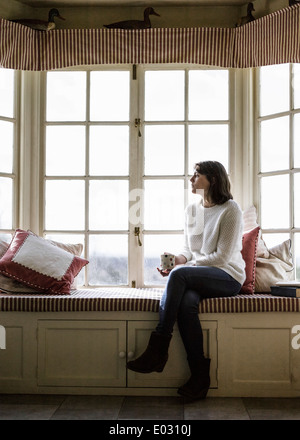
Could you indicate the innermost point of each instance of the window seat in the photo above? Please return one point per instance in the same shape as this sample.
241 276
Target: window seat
141 300
70 344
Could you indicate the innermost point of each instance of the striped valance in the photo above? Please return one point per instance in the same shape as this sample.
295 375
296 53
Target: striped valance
272 39
138 300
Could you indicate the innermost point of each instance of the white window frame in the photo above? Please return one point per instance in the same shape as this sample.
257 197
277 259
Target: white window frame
14 175
291 230
32 154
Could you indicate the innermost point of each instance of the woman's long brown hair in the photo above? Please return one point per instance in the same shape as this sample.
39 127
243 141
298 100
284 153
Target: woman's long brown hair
219 191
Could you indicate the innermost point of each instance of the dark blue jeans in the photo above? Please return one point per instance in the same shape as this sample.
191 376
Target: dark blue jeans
186 286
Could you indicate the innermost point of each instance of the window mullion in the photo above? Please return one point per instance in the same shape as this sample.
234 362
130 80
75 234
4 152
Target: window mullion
87 173
16 152
186 138
31 137
135 252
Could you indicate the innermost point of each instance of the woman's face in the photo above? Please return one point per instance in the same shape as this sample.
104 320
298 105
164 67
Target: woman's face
199 182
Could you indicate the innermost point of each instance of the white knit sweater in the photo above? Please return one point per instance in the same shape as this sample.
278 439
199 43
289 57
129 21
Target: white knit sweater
213 237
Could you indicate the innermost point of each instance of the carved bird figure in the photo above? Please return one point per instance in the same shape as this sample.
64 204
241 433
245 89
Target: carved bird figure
134 24
41 25
247 18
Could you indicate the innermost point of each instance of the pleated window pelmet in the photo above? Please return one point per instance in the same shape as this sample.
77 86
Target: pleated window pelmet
273 39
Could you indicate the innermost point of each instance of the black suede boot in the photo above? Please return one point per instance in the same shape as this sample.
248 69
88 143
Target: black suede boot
198 384
155 357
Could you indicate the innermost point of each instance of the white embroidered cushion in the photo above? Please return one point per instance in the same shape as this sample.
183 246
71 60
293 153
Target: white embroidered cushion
40 264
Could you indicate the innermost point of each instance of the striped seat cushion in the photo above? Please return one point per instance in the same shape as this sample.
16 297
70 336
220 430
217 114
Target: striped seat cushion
142 300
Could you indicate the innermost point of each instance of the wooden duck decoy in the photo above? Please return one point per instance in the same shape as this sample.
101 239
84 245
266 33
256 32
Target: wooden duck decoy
134 24
247 18
41 25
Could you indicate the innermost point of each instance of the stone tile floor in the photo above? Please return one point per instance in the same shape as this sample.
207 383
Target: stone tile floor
59 407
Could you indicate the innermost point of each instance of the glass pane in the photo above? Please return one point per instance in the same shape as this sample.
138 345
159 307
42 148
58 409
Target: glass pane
297 255
208 142
275 144
66 96
109 150
109 96
154 246
108 257
296 84
6 205
208 94
64 205
164 95
297 199
6 146
297 140
65 151
5 237
164 204
108 205
274 239
164 149
7 92
70 239
275 194
274 89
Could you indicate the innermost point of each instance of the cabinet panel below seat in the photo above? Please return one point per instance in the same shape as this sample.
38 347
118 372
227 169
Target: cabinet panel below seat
82 353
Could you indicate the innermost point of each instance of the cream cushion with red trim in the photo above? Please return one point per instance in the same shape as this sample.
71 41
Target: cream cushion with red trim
40 264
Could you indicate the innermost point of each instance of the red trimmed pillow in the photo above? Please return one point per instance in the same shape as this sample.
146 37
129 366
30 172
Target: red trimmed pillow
40 264
249 252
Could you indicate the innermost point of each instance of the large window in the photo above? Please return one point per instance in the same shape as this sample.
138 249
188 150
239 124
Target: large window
118 147
279 155
119 152
7 153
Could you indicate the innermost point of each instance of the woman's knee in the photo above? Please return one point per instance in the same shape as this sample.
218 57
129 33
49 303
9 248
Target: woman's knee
178 273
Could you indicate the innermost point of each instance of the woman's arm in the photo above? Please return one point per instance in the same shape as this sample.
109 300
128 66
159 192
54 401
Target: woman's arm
180 259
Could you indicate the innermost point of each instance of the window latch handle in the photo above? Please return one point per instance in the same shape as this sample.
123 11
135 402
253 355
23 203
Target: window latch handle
137 232
137 124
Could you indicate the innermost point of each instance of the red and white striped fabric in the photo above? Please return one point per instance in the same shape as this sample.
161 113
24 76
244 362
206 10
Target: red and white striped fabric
272 39
140 300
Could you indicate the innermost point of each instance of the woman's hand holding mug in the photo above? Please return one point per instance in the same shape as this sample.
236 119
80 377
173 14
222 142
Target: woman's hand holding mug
168 262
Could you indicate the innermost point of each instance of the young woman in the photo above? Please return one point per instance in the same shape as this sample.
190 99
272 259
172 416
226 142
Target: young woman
210 265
